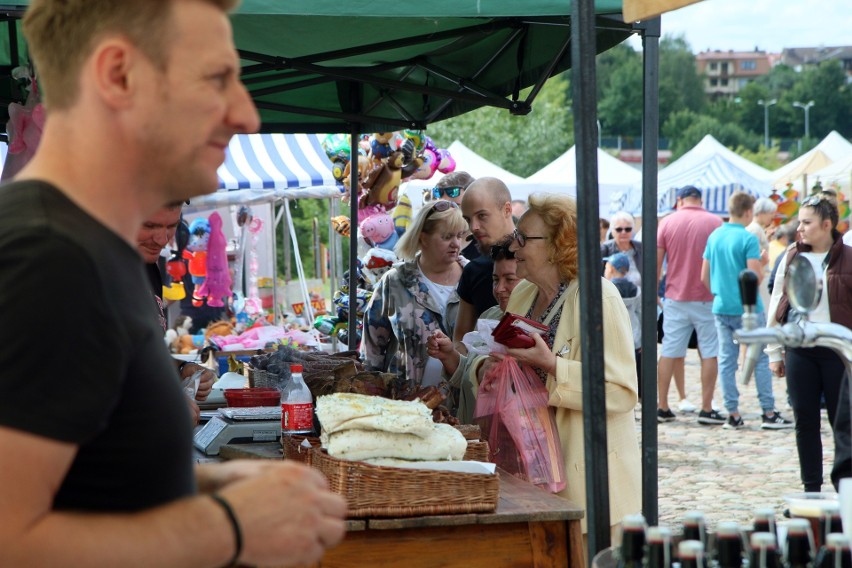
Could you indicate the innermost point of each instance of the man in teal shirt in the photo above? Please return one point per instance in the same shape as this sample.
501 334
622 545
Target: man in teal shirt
730 250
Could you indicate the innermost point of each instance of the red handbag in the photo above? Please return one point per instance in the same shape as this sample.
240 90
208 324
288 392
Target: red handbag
516 331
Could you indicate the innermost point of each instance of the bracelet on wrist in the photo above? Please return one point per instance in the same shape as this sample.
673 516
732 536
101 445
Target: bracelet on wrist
235 525
182 365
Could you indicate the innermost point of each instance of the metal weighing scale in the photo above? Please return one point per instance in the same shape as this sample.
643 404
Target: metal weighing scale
239 425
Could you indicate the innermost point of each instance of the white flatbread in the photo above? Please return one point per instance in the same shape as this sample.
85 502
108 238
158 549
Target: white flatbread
443 442
345 411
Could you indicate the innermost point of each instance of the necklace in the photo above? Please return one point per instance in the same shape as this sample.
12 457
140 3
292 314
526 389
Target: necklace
446 278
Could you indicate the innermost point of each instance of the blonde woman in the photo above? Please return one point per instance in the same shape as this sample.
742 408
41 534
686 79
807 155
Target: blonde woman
417 297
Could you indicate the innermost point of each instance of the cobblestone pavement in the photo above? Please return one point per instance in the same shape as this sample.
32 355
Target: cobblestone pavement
728 473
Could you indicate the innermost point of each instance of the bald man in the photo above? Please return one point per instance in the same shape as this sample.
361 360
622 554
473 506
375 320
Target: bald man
487 208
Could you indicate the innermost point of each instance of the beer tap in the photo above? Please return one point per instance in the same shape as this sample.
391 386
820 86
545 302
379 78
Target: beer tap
748 293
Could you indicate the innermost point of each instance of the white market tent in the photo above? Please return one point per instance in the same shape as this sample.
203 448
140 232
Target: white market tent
615 179
834 147
840 172
714 169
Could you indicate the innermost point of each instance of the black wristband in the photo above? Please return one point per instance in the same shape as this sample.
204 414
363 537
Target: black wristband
182 365
235 525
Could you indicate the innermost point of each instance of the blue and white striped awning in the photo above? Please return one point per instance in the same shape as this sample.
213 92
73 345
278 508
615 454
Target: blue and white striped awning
262 168
716 177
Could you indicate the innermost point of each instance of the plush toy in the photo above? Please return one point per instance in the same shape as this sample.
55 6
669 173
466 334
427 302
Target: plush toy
221 327
176 269
182 326
196 254
217 284
378 230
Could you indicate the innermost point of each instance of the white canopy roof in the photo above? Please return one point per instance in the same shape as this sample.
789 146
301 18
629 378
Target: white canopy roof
615 179
834 146
840 172
714 169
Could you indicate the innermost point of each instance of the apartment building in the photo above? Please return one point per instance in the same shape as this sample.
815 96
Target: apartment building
800 57
727 72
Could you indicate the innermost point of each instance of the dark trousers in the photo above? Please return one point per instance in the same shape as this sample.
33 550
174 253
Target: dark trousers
811 374
842 438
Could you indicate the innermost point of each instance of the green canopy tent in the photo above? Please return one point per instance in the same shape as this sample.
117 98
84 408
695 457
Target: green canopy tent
323 66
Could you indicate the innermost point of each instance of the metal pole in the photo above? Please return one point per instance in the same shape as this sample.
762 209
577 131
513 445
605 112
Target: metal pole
276 311
766 105
650 142
353 238
583 81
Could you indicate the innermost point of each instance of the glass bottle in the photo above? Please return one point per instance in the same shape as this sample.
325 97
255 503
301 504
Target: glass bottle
659 547
829 523
297 405
632 542
695 528
691 554
837 553
763 551
764 520
799 553
729 545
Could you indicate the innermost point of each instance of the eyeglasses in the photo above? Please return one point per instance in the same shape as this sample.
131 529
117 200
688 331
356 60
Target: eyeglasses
440 207
450 192
522 238
623 229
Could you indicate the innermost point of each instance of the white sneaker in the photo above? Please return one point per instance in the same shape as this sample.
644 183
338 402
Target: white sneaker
685 406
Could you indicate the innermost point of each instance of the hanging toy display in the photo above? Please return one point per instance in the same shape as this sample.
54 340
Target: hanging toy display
196 255
176 265
26 122
217 284
253 306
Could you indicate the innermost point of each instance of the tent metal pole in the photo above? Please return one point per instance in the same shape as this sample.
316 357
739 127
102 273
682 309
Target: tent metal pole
333 250
275 310
352 324
583 81
650 142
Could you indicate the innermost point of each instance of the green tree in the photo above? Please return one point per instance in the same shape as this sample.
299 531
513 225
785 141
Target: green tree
304 211
520 144
686 129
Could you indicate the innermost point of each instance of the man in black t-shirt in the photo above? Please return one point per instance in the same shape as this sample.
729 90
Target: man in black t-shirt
487 207
142 99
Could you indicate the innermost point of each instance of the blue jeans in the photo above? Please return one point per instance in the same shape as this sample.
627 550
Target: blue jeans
728 357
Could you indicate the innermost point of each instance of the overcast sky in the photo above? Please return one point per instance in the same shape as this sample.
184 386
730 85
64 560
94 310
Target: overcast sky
770 25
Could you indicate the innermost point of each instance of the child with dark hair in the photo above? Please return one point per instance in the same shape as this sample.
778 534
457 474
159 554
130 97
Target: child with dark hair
616 269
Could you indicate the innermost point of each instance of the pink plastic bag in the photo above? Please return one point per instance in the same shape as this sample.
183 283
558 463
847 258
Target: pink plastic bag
520 426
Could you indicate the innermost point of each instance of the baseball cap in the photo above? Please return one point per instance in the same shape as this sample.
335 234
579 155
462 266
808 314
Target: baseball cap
619 261
688 191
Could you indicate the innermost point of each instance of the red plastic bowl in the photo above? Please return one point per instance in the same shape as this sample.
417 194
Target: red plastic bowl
258 396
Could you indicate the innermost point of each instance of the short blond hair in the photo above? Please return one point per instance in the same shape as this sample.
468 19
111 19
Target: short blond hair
61 34
409 244
559 214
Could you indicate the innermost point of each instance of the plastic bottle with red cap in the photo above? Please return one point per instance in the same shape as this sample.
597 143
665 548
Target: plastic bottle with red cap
297 405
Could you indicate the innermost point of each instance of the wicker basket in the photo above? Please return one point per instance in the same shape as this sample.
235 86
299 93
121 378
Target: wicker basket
259 378
376 491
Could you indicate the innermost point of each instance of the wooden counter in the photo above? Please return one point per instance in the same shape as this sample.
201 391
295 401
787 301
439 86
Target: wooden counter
530 528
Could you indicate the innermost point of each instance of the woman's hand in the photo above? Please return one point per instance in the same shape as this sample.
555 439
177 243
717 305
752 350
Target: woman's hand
538 356
777 368
441 348
485 381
